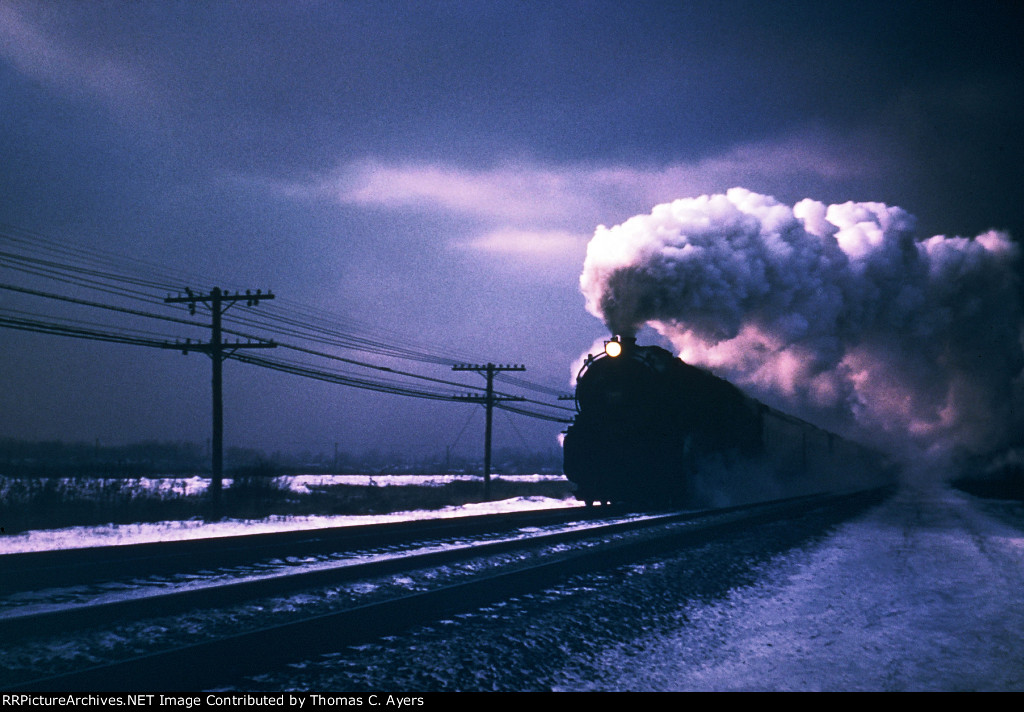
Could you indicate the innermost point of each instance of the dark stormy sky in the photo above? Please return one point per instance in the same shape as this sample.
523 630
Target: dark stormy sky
428 174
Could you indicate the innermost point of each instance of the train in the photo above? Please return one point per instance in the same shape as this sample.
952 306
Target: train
651 429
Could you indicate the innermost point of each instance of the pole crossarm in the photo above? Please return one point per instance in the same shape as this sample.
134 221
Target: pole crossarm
488 367
483 400
218 297
226 348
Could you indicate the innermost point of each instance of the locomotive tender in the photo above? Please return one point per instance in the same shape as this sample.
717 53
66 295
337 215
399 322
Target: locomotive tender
651 429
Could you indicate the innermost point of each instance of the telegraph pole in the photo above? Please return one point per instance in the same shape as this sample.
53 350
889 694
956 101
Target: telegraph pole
218 302
488 400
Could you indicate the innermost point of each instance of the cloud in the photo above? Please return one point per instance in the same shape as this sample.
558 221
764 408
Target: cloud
505 192
545 244
66 67
806 156
575 196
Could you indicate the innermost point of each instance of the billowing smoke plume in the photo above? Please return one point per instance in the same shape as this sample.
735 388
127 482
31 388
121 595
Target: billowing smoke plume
841 313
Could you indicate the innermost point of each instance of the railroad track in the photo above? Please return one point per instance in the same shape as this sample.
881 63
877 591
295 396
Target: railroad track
449 579
34 570
392 552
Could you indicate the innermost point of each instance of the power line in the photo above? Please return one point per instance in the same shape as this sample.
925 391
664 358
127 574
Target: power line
39 257
111 273
341 379
98 305
79 333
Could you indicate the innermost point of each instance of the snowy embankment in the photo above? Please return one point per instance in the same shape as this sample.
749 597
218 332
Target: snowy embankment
924 593
119 534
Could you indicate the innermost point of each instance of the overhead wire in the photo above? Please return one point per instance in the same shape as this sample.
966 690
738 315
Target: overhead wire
70 321
339 378
299 320
137 280
112 281
108 273
99 305
77 332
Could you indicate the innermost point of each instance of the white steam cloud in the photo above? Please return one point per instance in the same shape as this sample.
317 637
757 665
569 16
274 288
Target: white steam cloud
841 313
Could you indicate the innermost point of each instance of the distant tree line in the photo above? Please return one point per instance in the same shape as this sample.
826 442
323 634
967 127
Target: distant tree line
55 458
20 458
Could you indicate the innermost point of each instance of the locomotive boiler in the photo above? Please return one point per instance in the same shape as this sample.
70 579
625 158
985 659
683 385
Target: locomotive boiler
651 429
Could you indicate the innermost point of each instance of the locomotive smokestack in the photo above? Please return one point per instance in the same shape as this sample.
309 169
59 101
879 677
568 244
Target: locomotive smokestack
628 342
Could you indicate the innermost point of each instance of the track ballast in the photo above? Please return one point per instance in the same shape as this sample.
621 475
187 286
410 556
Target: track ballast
239 629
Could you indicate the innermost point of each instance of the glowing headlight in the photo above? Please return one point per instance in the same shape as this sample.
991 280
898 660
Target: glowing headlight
613 348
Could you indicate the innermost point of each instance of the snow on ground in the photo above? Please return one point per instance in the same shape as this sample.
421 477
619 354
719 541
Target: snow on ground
924 593
303 483
118 534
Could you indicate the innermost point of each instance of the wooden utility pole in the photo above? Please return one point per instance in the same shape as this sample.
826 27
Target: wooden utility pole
218 302
488 400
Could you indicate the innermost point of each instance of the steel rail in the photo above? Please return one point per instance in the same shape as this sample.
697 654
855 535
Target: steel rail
219 661
64 618
36 569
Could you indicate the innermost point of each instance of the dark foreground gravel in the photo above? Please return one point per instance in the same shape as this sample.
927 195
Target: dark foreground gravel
529 642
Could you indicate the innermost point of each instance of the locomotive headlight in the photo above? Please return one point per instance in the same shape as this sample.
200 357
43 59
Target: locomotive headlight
613 348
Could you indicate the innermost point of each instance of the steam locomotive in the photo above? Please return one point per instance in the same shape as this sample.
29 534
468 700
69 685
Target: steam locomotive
651 429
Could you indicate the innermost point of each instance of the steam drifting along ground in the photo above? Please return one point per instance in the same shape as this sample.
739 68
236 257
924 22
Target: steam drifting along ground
842 314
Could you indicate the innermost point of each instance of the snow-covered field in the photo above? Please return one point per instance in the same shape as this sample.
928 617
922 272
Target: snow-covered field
300 484
117 534
303 483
